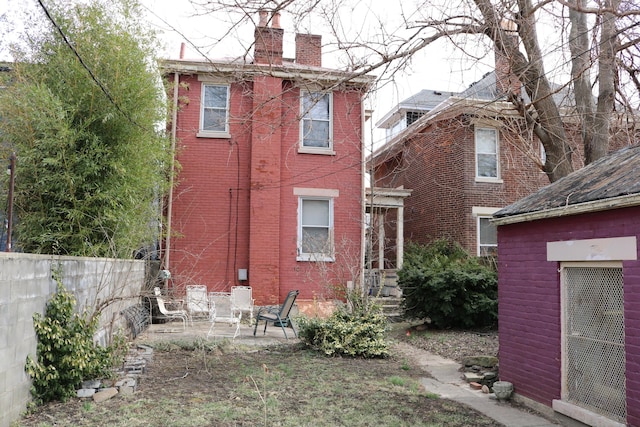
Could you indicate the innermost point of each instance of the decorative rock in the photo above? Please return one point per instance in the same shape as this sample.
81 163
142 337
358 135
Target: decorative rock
91 384
126 391
471 377
502 389
105 394
146 352
126 382
86 392
485 389
475 386
484 361
489 375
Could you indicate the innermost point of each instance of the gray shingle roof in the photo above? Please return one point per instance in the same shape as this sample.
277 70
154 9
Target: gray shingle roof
612 176
423 101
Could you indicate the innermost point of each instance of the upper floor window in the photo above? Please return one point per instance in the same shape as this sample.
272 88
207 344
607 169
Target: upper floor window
412 116
214 112
315 229
316 121
486 153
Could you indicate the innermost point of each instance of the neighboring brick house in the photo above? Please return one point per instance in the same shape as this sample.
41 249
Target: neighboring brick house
464 156
270 185
569 293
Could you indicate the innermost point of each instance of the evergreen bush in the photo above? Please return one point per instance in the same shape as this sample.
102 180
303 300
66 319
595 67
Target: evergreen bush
442 282
66 352
357 329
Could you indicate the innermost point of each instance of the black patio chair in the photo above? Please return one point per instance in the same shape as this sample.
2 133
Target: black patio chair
279 316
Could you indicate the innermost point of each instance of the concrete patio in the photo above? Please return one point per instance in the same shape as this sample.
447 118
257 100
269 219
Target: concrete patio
173 331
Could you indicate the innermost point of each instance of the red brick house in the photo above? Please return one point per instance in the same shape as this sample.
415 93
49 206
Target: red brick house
465 155
270 185
569 293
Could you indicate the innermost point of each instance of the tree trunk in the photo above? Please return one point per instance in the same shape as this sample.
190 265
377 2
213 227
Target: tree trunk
548 125
580 74
606 84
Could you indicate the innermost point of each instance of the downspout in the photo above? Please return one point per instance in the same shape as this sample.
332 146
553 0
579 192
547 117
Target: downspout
174 118
363 197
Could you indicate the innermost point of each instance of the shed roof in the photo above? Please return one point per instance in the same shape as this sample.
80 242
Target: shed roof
612 181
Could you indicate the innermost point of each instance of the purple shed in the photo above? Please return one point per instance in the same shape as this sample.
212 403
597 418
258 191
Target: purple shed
569 293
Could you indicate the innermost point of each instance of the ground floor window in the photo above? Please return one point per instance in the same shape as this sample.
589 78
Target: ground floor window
487 232
315 229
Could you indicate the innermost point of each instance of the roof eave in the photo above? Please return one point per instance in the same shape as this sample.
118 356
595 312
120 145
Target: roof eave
284 72
449 108
626 201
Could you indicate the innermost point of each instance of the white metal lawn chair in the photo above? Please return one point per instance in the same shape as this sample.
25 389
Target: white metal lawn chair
171 314
222 310
197 302
242 299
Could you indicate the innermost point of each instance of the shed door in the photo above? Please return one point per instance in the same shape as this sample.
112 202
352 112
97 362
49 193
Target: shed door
593 338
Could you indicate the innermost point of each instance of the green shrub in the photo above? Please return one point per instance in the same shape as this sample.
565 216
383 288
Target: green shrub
66 352
355 331
444 283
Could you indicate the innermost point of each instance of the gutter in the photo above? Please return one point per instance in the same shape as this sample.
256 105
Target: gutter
287 73
619 202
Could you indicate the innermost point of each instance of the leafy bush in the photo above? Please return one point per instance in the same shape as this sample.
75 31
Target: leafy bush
66 353
355 331
444 283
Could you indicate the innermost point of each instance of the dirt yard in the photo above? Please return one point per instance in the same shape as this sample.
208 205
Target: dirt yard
220 384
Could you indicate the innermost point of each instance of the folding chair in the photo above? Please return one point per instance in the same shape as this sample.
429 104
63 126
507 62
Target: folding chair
279 316
221 309
242 299
197 302
170 314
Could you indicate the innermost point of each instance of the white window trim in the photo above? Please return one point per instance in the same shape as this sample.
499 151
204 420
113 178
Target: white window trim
479 212
316 150
315 194
209 133
497 178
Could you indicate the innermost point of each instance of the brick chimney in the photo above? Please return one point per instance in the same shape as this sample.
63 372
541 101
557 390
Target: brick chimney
506 81
268 40
309 50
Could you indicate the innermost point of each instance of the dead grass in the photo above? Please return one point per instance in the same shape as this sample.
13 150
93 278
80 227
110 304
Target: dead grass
279 386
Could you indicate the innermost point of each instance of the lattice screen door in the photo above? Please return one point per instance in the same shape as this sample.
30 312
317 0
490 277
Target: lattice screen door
593 339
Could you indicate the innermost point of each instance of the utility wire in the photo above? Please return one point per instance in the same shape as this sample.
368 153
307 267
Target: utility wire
84 65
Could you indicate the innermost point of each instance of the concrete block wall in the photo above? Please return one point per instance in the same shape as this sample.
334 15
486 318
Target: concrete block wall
26 284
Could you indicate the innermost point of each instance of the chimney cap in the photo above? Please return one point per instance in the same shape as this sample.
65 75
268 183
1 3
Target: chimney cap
263 18
275 20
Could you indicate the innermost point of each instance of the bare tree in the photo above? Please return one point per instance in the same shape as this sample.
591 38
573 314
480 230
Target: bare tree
602 41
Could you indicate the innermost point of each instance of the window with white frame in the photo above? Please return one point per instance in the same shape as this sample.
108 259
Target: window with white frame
316 120
214 112
315 228
487 232
487 237
486 153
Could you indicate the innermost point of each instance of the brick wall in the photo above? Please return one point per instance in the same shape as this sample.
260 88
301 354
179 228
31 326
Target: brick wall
211 200
234 205
309 50
438 164
529 302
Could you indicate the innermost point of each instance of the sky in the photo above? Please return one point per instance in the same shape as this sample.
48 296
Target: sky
217 36
440 67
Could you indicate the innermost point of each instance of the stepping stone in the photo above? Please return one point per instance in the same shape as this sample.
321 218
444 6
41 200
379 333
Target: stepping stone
105 394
